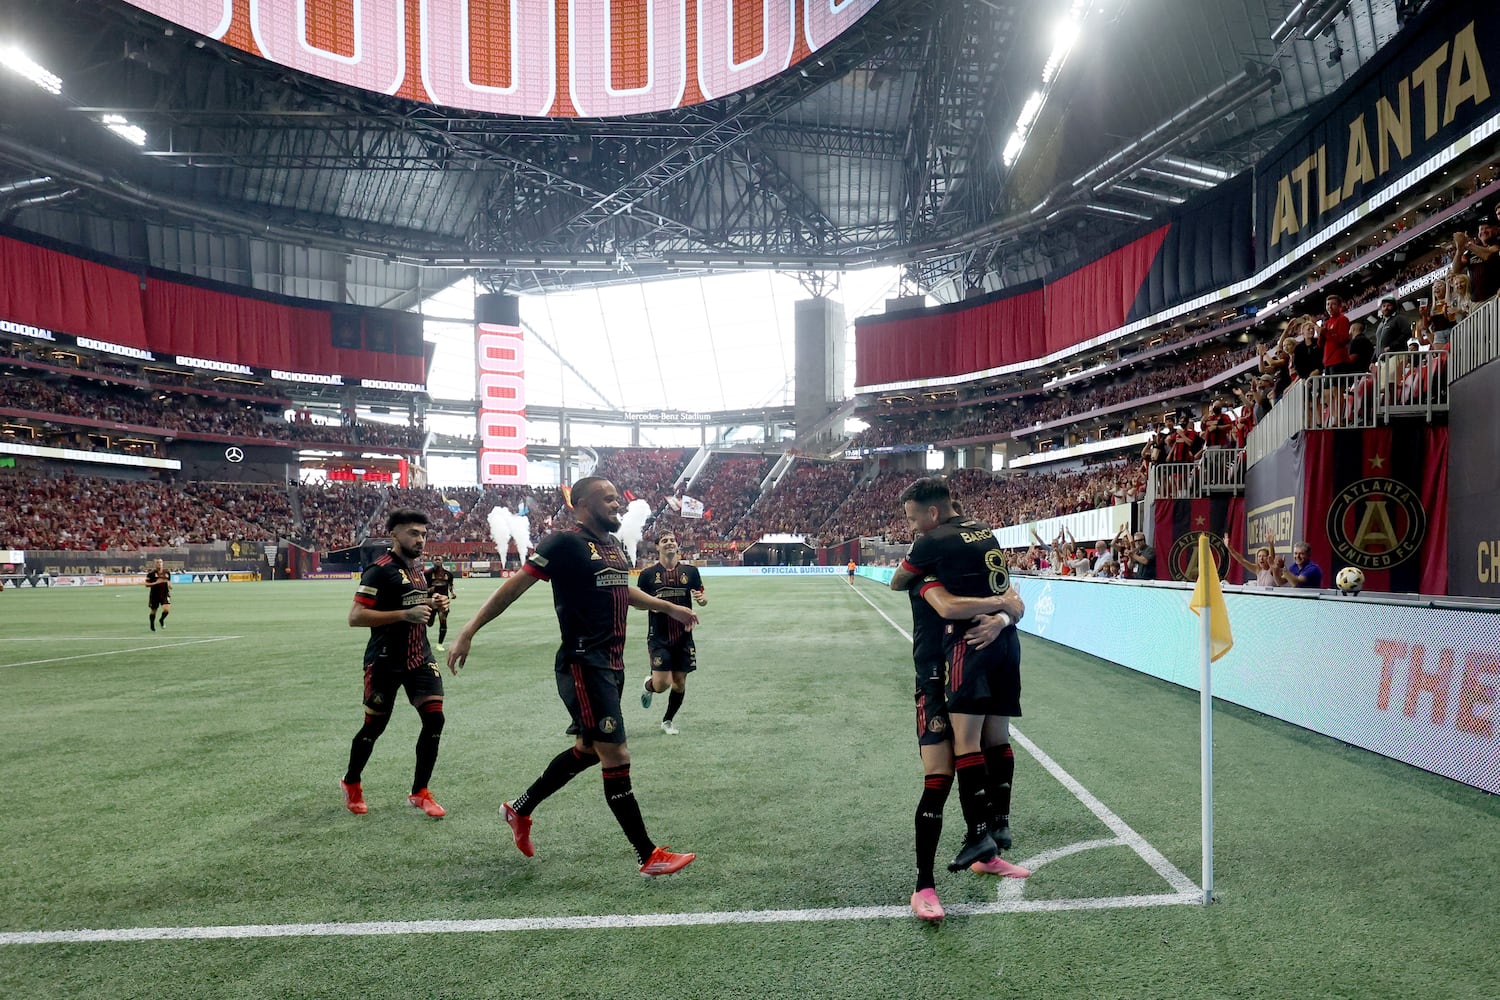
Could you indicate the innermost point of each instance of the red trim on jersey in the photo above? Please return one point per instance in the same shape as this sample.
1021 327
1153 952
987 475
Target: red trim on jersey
384 560
956 666
364 601
928 586
910 568
526 567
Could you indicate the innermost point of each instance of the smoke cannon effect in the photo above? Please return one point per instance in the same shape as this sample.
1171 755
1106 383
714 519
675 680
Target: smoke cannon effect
505 526
632 526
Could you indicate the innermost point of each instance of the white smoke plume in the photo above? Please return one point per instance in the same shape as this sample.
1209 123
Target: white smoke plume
505 526
633 525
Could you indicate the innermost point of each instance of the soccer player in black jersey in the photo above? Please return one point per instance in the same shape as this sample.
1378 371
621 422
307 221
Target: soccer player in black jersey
591 592
160 594
669 643
440 581
983 685
930 605
392 601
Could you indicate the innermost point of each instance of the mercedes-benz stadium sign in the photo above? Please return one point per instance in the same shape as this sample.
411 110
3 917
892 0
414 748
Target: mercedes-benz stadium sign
533 58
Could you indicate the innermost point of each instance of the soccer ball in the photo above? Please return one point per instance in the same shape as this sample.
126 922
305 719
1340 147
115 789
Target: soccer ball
1350 581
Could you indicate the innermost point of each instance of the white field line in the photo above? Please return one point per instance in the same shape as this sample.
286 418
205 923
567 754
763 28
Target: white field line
1013 889
602 922
120 652
1174 876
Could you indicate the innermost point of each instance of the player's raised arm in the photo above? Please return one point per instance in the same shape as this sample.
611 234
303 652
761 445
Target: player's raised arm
493 607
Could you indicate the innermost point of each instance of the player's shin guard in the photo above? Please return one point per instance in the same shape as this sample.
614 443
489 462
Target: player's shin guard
427 743
935 790
364 745
559 771
627 811
674 702
1000 761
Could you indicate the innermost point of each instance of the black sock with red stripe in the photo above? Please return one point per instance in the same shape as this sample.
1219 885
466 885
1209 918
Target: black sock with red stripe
364 745
627 811
427 743
973 795
1001 762
674 702
935 788
559 771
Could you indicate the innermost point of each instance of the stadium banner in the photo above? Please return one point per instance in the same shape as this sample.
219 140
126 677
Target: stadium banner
232 463
1273 498
1378 499
16 581
79 581
1179 523
210 577
1474 484
125 580
1432 83
500 372
1417 684
771 570
542 58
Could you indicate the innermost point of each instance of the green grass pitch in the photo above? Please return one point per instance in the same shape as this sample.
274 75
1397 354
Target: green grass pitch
193 785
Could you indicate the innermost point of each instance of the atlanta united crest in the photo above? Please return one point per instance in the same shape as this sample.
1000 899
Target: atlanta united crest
1376 523
1182 560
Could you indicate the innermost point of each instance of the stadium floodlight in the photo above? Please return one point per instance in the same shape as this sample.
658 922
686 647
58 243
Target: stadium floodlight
1013 149
20 63
1024 121
1064 35
117 124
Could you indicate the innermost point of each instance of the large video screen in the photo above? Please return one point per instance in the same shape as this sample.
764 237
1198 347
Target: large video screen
532 58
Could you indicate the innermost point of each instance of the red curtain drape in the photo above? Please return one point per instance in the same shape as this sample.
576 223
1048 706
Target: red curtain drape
1097 297
67 294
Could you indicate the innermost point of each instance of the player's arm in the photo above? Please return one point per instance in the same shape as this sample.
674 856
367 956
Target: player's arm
963 608
493 607
361 616
911 568
699 597
640 599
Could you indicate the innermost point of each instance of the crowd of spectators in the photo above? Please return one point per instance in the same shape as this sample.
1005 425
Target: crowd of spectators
800 502
727 486
337 515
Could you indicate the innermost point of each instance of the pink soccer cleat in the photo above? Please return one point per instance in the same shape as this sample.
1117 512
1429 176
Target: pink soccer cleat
924 903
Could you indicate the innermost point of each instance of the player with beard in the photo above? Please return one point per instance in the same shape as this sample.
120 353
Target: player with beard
393 603
983 685
673 653
931 605
591 593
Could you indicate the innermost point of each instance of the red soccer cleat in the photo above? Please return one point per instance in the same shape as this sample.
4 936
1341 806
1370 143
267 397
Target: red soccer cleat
999 866
423 800
354 797
520 827
664 862
924 903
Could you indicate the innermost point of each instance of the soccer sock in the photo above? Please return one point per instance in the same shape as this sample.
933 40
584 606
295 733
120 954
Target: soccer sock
674 702
443 631
152 619
971 792
935 788
627 811
427 743
363 745
1000 761
559 771
163 620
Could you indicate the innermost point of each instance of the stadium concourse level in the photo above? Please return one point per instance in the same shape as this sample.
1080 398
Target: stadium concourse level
47 402
1176 374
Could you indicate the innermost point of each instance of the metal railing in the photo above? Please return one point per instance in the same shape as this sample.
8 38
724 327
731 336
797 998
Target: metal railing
1174 481
1223 469
1475 342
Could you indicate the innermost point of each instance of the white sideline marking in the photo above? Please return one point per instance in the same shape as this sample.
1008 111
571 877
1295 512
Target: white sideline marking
119 652
1013 889
1174 876
610 921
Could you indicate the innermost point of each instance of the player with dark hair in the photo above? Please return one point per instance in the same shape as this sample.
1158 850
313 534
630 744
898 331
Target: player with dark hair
931 604
983 685
591 592
670 644
393 602
160 594
440 581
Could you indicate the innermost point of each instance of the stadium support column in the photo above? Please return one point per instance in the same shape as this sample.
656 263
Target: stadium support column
500 371
819 325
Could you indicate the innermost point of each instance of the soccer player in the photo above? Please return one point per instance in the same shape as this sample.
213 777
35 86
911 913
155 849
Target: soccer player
160 594
670 644
393 602
440 581
591 593
982 685
934 732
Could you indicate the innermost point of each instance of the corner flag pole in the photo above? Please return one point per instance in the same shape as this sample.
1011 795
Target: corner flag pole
1206 758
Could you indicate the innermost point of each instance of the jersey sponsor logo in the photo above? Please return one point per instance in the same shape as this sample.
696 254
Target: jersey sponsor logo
611 578
1376 523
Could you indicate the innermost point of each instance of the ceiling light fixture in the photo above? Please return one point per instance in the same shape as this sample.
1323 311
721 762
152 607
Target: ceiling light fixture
20 63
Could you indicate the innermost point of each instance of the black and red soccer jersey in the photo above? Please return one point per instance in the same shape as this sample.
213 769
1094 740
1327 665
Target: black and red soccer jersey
160 591
926 627
440 581
590 579
389 584
962 555
676 586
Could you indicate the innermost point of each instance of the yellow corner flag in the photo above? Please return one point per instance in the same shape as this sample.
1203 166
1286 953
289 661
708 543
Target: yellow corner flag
1208 595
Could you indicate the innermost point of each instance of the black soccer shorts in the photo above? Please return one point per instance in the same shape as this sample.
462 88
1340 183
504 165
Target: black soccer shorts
592 695
679 659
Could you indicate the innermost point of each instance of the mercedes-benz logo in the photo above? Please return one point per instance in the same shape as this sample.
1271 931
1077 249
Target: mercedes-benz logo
234 454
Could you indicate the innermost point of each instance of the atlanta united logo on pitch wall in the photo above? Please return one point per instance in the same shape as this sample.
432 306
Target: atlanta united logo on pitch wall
1182 561
1376 523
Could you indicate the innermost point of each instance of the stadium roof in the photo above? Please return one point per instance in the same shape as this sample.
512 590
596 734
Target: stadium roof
889 145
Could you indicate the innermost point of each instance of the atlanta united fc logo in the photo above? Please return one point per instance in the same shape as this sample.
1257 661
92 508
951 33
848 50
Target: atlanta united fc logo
1376 523
1182 561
